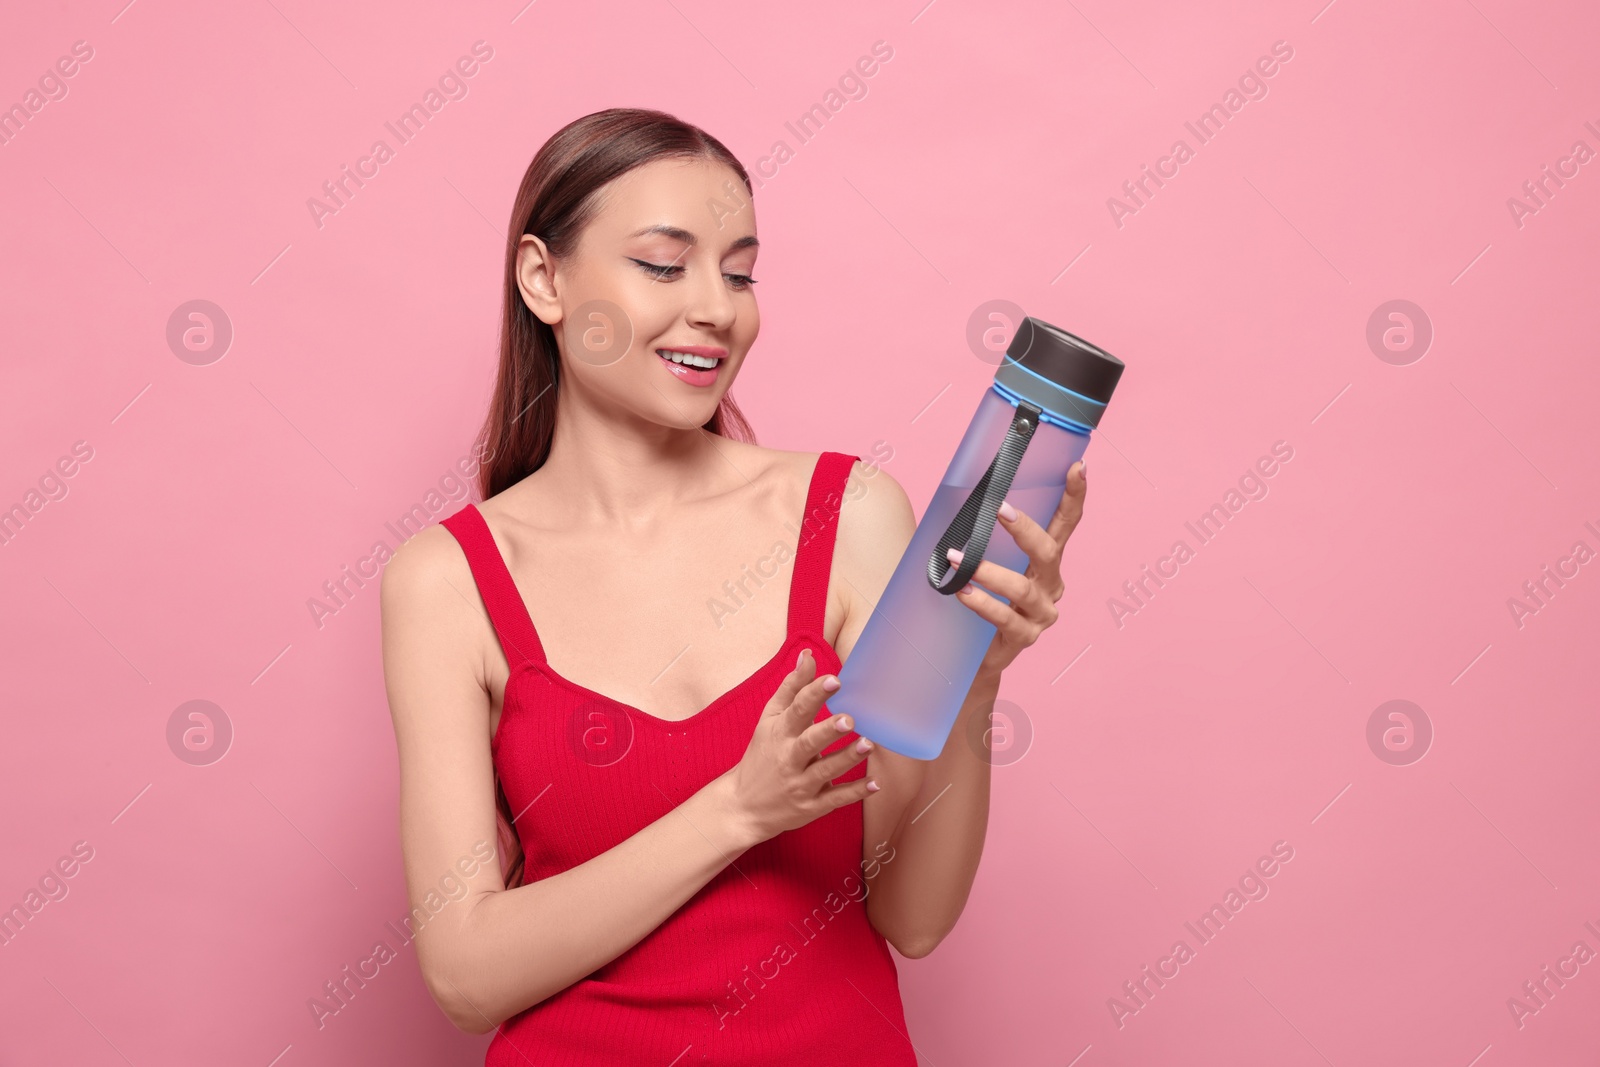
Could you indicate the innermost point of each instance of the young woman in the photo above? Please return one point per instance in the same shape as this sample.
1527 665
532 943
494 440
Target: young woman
698 863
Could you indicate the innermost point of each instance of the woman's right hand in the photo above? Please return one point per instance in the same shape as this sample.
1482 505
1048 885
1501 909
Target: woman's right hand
781 783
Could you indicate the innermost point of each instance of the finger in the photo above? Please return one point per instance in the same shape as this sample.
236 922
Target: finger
802 711
1012 627
1069 511
1027 595
805 669
825 769
1025 614
837 796
1044 551
820 735
1005 618
1003 580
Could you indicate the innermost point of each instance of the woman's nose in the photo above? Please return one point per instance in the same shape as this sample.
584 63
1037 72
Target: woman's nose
711 304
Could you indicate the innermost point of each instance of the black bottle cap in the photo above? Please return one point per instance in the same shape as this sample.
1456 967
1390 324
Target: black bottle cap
1068 361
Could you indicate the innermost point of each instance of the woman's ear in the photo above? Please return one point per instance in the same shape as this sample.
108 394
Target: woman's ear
536 279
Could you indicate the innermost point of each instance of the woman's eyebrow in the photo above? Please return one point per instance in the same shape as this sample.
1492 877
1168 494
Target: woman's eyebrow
680 234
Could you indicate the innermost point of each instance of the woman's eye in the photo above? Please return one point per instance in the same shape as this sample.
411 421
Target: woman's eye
739 281
658 270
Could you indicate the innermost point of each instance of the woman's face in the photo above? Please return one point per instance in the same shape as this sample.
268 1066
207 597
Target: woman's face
664 266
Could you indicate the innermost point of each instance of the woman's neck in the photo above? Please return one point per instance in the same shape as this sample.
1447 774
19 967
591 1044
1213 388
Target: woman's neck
628 475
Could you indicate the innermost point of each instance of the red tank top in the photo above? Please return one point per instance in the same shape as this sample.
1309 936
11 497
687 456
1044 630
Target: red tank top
773 961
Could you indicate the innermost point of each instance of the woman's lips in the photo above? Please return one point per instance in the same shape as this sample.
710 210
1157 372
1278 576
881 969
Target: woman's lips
692 375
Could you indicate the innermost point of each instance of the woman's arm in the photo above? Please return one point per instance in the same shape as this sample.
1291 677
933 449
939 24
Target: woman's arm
487 952
934 813
938 839
493 952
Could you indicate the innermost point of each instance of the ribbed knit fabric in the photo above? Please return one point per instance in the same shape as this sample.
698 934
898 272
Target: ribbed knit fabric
773 961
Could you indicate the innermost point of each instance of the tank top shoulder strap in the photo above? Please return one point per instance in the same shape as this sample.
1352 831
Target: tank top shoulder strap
808 591
508 613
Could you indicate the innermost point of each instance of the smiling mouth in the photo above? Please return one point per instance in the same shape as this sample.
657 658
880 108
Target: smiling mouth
690 368
689 359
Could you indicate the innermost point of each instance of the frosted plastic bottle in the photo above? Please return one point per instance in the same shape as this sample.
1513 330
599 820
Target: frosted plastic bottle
909 672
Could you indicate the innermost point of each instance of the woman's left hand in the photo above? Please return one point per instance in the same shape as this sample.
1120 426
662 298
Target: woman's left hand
1033 595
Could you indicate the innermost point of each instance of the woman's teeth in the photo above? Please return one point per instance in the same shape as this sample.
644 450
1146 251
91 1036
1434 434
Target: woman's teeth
703 362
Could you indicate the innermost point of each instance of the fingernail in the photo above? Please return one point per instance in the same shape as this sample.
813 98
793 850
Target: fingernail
872 785
967 588
843 724
1007 512
863 745
829 684
1083 470
799 661
955 556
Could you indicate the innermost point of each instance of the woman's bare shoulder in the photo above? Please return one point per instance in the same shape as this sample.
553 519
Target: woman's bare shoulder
430 615
874 502
876 520
425 571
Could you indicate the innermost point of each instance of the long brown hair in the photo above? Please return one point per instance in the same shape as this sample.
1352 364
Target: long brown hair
556 200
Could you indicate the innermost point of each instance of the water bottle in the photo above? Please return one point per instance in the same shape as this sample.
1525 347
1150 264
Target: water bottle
911 668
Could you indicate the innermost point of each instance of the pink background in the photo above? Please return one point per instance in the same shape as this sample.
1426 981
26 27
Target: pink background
1228 714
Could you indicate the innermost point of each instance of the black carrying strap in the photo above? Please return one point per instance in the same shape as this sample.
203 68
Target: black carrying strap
970 529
